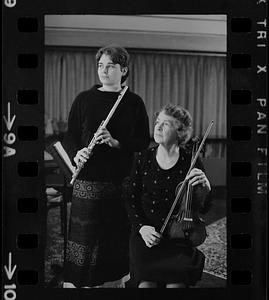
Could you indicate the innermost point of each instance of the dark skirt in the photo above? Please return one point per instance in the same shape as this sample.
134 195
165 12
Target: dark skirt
97 246
168 262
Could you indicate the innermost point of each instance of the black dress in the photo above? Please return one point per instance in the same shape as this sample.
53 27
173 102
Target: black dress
150 196
97 246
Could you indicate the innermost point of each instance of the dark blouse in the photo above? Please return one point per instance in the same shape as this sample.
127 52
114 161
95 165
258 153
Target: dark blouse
129 125
151 190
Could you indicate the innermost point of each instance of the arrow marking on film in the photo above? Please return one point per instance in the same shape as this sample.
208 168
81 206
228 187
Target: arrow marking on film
10 271
9 122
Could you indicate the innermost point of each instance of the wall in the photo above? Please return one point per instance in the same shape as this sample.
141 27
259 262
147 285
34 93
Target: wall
202 33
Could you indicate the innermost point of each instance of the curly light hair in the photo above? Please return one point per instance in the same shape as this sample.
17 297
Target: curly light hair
183 121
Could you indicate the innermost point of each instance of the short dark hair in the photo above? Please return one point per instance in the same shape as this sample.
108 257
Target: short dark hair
183 121
118 55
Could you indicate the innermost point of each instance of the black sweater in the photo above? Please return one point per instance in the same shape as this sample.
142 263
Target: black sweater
129 125
150 191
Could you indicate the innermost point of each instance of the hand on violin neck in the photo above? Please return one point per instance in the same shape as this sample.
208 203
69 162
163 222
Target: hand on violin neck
198 178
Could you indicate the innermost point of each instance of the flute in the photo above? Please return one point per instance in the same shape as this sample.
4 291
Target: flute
93 140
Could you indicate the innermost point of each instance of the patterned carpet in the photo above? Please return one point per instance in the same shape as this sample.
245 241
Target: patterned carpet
214 249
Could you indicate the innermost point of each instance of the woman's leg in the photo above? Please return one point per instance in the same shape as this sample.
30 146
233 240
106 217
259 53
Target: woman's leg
147 284
176 285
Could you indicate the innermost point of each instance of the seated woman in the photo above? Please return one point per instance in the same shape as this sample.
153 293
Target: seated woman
154 258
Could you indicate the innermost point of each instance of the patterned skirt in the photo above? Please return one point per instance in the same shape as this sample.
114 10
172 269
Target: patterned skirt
97 246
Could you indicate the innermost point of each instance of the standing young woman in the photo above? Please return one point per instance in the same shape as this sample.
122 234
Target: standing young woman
97 247
156 173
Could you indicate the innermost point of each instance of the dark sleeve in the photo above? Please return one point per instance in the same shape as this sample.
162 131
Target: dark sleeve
133 195
140 138
203 199
72 137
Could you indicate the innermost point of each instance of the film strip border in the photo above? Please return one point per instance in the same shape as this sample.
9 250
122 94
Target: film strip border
24 205
23 199
247 154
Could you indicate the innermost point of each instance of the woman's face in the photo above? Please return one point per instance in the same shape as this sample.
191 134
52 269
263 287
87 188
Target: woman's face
165 130
109 73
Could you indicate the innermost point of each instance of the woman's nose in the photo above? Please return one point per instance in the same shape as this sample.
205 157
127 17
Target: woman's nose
159 126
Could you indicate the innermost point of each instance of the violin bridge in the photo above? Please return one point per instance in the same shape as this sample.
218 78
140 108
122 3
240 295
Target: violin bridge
188 219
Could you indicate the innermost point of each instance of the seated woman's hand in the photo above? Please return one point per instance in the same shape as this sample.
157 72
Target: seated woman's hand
198 177
150 236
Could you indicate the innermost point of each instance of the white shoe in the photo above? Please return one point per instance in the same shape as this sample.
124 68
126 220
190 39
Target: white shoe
68 285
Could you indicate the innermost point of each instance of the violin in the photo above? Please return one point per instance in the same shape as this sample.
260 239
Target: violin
186 224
